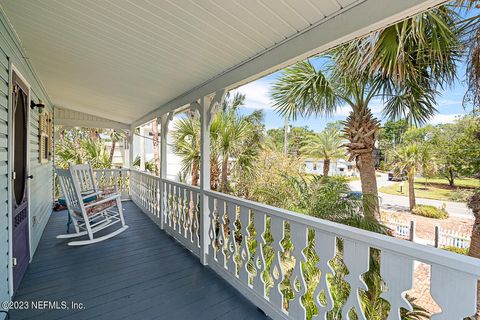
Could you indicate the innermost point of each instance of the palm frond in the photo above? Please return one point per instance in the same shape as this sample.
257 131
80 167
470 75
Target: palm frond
302 90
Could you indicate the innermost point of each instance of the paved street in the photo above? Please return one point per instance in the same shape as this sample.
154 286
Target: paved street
400 203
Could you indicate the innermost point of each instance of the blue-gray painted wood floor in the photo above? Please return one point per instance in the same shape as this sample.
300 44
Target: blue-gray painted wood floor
139 274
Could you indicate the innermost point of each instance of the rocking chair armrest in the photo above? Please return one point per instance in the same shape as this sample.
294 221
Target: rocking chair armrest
109 198
88 195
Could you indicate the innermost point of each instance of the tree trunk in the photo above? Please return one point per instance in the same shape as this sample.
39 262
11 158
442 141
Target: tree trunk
361 128
214 175
366 167
326 167
411 188
474 251
225 174
195 173
156 157
451 178
112 151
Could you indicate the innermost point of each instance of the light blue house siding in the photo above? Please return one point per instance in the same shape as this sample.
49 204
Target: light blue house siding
41 187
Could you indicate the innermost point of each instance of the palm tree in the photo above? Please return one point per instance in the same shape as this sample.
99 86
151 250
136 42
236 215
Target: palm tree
471 41
232 137
327 145
186 145
115 136
411 158
235 136
78 145
401 65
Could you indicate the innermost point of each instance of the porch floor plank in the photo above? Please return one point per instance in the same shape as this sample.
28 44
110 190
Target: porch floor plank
140 274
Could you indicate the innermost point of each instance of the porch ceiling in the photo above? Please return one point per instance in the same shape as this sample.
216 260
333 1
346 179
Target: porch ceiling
130 60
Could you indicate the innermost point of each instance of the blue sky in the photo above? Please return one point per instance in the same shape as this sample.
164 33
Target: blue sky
449 103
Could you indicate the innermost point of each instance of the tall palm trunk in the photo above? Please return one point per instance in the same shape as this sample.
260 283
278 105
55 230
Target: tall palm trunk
474 251
411 188
156 158
112 151
195 173
326 167
214 175
361 128
225 174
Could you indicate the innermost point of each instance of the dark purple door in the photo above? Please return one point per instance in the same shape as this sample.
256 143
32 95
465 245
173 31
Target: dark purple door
20 241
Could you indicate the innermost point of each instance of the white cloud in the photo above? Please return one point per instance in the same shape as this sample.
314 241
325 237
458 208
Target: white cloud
443 118
257 95
448 102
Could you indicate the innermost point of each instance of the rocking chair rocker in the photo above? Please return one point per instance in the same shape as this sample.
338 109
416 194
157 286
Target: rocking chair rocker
89 217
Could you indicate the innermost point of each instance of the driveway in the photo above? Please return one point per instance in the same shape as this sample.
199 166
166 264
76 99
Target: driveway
400 203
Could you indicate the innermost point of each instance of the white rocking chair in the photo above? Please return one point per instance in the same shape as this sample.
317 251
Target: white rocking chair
93 216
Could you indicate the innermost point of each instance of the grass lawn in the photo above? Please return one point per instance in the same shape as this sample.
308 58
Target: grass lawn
437 189
464 182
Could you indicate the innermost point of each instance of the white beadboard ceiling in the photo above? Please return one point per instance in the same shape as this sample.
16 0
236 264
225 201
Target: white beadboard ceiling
122 60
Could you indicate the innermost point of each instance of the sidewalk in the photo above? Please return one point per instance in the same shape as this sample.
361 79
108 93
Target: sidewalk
399 203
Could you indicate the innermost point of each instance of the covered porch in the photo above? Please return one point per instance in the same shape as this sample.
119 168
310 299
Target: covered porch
239 262
192 252
142 274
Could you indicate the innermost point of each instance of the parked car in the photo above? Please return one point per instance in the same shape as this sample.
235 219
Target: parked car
356 195
397 176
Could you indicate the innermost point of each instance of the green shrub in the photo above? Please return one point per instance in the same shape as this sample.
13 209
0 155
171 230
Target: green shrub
463 251
430 211
461 195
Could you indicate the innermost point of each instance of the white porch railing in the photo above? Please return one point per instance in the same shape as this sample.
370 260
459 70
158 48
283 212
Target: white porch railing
114 178
182 214
246 247
145 192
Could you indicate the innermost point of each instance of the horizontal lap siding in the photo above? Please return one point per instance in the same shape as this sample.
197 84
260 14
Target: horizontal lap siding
4 246
41 187
42 176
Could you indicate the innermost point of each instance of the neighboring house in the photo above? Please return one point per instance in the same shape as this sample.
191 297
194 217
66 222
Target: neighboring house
339 167
174 166
118 160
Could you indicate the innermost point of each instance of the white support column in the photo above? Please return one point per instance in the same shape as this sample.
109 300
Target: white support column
164 121
142 148
207 108
128 159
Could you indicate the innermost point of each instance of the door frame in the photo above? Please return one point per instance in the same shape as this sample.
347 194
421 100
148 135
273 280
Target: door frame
13 69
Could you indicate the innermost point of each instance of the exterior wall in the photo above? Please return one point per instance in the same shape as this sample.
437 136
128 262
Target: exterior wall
174 166
41 187
338 167
4 232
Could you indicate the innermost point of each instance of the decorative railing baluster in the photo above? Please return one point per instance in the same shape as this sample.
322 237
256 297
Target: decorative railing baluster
221 234
397 272
243 273
277 228
356 258
298 235
259 221
232 244
325 248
